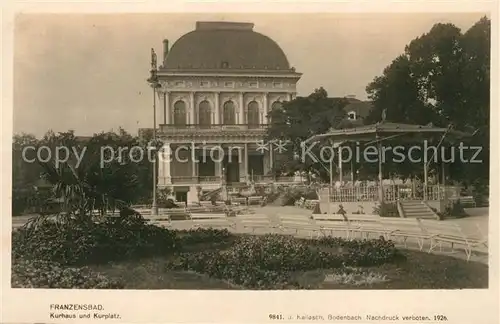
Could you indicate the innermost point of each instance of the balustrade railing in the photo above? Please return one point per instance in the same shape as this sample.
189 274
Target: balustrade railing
258 179
209 179
211 127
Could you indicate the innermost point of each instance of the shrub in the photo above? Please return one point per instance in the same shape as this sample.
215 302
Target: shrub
43 274
258 261
202 235
269 261
292 194
68 241
454 209
386 210
364 252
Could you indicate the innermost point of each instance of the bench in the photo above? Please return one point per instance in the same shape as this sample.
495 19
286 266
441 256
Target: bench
239 200
211 220
365 225
328 223
439 232
177 213
196 209
404 228
363 218
298 223
254 221
255 200
467 201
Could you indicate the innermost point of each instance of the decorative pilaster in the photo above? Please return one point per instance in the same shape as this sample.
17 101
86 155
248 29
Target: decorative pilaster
192 119
241 120
166 107
217 120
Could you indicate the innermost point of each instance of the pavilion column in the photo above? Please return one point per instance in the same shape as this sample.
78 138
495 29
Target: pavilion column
241 110
443 176
352 171
330 187
289 97
340 165
425 177
217 120
380 178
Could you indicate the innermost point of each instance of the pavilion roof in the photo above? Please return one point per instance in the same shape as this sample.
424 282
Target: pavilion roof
387 130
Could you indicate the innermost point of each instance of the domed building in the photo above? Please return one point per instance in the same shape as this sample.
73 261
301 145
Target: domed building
218 84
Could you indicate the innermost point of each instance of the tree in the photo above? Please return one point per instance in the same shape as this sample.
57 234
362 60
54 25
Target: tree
297 120
441 78
109 174
25 174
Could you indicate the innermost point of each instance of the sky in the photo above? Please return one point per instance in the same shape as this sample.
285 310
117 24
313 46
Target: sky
87 72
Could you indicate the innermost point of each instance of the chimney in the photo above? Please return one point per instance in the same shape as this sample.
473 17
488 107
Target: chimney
165 52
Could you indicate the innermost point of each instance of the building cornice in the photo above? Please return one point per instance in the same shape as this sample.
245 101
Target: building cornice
236 73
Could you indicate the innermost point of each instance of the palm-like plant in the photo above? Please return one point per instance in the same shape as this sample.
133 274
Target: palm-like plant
88 186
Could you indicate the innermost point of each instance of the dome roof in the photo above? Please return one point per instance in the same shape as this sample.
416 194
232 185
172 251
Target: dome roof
225 45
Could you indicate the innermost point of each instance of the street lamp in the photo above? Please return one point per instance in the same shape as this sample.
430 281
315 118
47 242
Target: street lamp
224 186
153 81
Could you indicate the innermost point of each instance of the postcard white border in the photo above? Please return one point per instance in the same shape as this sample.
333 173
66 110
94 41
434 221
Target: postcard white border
30 306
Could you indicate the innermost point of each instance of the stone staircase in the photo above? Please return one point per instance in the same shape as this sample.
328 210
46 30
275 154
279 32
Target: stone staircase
417 209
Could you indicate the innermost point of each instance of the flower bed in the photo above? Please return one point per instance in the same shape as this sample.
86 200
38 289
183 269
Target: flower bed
270 261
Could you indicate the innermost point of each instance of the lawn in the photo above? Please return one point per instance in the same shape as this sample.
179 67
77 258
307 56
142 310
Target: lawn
131 254
419 271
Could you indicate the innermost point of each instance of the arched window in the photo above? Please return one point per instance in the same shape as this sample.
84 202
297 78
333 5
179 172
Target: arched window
253 114
204 114
180 113
229 113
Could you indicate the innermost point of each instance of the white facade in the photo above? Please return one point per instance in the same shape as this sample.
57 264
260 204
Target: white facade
213 121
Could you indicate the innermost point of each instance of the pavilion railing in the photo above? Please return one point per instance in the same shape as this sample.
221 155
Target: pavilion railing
393 193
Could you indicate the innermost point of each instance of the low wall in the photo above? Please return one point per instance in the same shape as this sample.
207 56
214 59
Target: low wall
350 207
